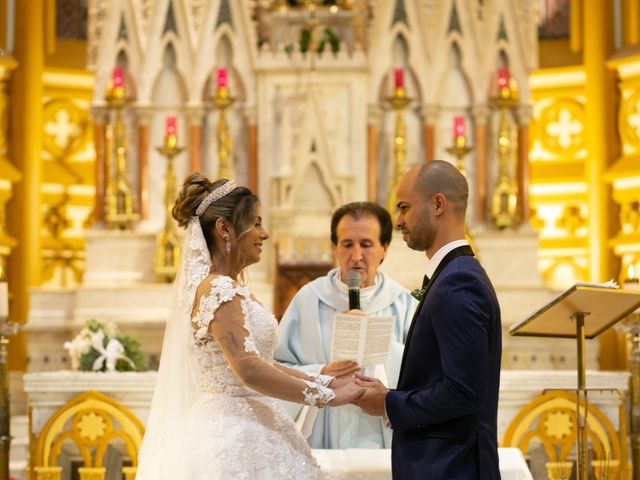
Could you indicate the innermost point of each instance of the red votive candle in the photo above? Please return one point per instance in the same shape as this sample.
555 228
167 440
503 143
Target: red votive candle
399 77
222 78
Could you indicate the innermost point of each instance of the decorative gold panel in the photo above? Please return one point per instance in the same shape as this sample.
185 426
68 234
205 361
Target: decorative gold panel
571 220
65 127
90 421
551 420
48 473
629 118
562 123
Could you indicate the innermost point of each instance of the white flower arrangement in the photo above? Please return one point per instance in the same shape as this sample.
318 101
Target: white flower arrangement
100 347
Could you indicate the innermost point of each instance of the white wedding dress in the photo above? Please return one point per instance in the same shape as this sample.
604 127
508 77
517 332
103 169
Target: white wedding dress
203 423
234 431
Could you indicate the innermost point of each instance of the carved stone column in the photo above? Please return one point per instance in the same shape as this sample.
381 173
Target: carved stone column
481 115
100 115
195 116
143 114
374 115
429 114
523 115
251 121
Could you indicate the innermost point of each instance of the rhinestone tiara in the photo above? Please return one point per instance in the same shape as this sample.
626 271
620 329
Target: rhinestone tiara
216 194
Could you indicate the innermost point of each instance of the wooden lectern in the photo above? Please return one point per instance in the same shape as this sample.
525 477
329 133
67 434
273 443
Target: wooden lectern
582 311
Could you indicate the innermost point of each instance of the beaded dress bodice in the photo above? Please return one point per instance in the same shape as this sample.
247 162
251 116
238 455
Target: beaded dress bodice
214 374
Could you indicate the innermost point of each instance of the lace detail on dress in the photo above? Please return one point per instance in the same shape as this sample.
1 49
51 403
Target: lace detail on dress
320 379
215 374
260 439
223 290
320 397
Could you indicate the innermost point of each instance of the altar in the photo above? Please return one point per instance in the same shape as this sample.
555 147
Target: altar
365 464
48 391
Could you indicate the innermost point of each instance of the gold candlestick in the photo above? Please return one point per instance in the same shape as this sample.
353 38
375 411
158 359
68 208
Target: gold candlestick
168 241
222 101
398 101
119 200
460 149
504 201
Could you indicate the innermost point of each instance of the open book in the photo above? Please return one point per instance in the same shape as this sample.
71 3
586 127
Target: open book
363 339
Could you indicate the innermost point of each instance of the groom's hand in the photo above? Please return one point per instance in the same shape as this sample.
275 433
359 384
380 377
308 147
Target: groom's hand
372 400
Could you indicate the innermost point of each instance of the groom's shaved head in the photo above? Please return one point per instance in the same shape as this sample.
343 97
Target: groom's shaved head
438 176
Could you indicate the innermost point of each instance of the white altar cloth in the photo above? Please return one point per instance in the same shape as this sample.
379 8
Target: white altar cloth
365 464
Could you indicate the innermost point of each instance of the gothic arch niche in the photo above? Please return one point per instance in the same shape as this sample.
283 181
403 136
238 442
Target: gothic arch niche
456 99
414 153
234 117
168 95
122 61
316 195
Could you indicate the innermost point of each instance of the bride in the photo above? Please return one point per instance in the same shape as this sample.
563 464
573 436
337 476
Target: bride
215 413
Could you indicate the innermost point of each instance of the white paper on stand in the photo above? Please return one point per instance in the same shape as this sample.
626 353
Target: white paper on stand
363 339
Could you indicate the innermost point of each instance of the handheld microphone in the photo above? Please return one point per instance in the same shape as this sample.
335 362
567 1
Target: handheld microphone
353 282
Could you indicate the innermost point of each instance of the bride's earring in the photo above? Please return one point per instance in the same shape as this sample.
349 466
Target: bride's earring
227 245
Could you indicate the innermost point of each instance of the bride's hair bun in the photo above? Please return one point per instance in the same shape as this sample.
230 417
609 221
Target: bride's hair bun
193 191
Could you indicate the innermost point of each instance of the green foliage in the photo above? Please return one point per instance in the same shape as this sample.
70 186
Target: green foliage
128 356
330 37
418 293
327 37
132 350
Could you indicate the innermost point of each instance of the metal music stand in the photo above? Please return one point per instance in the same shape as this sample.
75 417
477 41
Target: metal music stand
582 311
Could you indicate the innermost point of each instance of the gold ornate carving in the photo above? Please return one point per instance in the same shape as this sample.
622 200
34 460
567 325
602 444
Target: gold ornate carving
571 220
630 216
536 221
56 220
562 125
65 127
551 420
91 421
92 473
629 118
91 426
60 254
48 473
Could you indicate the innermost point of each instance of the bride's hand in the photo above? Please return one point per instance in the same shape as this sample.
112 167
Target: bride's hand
343 380
346 393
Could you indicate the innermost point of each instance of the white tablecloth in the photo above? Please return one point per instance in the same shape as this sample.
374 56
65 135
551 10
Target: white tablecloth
363 464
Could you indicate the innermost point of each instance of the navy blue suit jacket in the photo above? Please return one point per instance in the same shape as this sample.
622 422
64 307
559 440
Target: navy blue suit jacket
444 411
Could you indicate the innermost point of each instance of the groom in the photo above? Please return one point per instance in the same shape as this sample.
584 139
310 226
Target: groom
444 411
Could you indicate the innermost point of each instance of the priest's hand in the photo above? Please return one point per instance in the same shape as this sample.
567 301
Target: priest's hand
372 400
340 369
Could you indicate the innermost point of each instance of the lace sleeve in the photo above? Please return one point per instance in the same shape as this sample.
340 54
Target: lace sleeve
227 327
324 380
320 379
213 295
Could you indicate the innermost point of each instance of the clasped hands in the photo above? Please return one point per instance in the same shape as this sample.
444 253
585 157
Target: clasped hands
350 386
